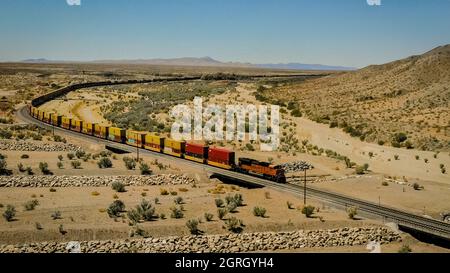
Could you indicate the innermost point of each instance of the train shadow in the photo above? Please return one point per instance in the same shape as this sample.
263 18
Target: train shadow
237 182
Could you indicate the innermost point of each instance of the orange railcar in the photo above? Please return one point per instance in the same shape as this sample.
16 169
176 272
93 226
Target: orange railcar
264 169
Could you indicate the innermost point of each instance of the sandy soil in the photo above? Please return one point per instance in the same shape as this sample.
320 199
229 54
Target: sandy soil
84 216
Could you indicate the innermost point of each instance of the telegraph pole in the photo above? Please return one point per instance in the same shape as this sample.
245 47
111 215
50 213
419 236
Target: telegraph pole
304 190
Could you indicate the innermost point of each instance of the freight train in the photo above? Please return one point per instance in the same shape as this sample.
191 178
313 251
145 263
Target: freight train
213 156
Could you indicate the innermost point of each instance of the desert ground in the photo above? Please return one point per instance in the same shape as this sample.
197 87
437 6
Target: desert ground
388 179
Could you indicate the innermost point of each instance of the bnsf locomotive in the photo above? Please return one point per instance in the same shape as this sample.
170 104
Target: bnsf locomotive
217 157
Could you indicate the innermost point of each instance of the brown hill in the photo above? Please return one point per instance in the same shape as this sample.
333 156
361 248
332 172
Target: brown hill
378 102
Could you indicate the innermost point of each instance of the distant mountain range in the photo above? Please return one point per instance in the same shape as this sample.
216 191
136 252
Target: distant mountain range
206 61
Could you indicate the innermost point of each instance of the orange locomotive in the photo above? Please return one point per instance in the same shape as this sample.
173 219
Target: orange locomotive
264 169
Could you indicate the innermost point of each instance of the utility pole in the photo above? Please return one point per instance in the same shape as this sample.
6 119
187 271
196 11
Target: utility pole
304 190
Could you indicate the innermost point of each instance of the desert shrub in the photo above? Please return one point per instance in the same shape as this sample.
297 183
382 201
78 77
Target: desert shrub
179 200
60 157
115 208
162 216
352 212
80 154
416 186
426 160
118 186
267 195
164 192
61 229
31 205
21 168
146 210
232 206
249 147
60 165
443 170
176 212
75 164
192 225
130 163
52 190
400 137
385 183
308 211
396 157
183 190
70 156
208 216
43 166
405 249
9 213
56 215
219 203
259 212
38 226
4 167
221 213
145 169
174 193
104 163
24 156
237 199
360 170
134 216
290 205
29 171
234 225
156 200
417 157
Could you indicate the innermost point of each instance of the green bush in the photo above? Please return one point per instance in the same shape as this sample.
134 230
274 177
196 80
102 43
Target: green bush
289 205
70 156
31 205
130 163
60 165
176 212
237 199
219 203
208 216
116 208
405 249
43 166
145 169
56 215
146 210
308 211
118 186
104 163
234 225
60 157
221 213
9 213
75 164
416 186
259 212
21 168
352 212
80 154
134 216
232 206
24 156
179 200
192 225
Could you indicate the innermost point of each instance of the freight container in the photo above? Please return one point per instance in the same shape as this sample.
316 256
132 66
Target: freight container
65 122
221 158
174 147
47 117
101 131
88 128
34 112
56 120
76 125
116 134
196 152
135 138
41 115
154 143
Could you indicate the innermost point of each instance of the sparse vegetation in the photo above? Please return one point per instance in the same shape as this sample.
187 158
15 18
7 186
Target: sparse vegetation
352 212
192 225
234 225
308 211
9 213
56 215
31 205
208 216
75 164
259 212
104 163
176 212
116 208
118 186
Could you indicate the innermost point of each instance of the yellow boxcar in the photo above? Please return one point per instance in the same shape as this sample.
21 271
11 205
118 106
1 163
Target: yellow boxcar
56 120
76 125
101 131
47 117
65 122
88 128
41 115
136 138
154 143
174 147
34 111
116 134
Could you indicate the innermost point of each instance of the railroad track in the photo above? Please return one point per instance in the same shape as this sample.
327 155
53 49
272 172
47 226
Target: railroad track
402 218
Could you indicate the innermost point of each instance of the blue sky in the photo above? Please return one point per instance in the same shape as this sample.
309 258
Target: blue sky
334 32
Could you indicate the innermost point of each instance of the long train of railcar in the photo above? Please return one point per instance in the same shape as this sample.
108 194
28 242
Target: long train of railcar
213 156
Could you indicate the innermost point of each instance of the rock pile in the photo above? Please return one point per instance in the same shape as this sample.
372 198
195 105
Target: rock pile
28 146
223 243
296 166
93 181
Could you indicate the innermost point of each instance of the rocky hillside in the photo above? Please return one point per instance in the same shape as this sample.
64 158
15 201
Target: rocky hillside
379 102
